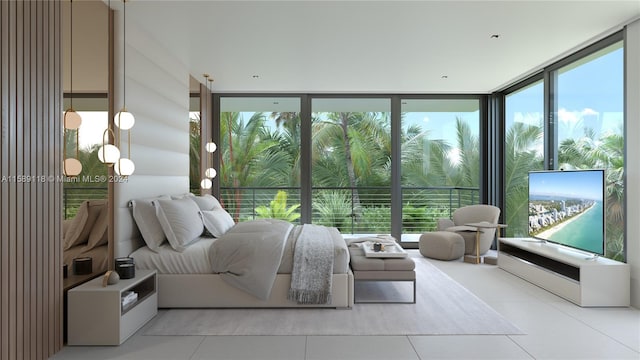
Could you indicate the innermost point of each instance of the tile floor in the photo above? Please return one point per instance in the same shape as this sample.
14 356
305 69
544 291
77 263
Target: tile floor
555 329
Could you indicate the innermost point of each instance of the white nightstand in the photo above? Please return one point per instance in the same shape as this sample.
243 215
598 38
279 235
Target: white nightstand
95 313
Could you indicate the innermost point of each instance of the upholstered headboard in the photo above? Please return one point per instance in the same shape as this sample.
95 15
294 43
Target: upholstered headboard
127 237
158 96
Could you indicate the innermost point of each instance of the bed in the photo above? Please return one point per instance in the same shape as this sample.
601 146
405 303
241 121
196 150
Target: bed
244 265
85 235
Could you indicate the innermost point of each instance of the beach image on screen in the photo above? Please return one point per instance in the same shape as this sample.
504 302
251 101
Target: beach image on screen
567 207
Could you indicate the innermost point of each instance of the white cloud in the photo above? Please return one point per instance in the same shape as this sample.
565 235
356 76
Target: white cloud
568 116
589 111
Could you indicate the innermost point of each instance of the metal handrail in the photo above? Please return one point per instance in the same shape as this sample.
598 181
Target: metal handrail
73 196
440 200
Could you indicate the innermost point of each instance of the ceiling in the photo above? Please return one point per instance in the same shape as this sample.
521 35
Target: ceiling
374 46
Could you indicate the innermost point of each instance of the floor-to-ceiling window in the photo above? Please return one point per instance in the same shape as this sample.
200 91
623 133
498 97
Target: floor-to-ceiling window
588 98
575 121
330 160
351 164
440 160
259 155
524 152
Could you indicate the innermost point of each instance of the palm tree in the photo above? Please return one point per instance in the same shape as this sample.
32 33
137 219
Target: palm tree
350 149
247 156
520 158
607 153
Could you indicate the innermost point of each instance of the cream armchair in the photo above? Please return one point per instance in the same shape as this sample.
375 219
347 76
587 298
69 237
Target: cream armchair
472 214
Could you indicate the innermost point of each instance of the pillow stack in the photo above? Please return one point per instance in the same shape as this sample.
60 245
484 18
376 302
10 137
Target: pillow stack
215 219
180 220
89 226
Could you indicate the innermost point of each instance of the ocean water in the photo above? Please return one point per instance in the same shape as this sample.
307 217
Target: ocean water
586 232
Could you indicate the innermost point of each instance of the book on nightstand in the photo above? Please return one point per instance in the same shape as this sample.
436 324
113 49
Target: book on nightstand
128 299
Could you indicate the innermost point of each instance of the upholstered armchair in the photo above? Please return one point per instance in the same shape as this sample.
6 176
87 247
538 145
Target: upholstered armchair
472 214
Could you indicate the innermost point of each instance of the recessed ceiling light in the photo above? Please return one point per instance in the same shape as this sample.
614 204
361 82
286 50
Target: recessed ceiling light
445 76
495 36
255 76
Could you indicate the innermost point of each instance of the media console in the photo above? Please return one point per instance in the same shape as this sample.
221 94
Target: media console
583 280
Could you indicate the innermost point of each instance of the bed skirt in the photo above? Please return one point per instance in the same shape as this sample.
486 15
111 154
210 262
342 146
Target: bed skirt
210 291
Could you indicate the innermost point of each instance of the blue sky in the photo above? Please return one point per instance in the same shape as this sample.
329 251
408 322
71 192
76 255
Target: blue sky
582 184
588 95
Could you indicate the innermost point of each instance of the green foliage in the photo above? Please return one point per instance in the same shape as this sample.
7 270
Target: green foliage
520 157
277 209
334 209
353 149
375 220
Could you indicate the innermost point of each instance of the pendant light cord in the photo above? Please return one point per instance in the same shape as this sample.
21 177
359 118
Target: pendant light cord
124 54
71 51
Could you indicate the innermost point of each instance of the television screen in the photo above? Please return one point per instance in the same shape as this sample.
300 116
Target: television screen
567 208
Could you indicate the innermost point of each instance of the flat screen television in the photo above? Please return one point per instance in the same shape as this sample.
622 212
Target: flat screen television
567 208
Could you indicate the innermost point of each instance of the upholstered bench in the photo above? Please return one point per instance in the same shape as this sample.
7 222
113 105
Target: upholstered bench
381 269
441 245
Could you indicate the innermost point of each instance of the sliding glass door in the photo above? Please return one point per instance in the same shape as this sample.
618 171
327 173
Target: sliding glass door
351 164
259 154
589 108
440 169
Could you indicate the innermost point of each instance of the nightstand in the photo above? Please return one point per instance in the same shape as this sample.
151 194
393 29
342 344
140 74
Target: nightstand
96 315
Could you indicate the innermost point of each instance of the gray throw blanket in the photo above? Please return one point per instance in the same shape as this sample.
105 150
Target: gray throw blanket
312 266
249 254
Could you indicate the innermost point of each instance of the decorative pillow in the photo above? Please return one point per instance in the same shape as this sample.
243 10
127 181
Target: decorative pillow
217 221
180 221
206 202
181 196
80 227
145 216
99 233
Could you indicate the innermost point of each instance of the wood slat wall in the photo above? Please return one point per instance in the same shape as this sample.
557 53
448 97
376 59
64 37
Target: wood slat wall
31 187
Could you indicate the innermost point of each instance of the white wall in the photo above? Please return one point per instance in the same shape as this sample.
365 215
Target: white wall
157 93
90 46
632 111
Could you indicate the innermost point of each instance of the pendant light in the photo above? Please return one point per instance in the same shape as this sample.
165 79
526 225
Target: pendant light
210 148
124 120
71 167
108 153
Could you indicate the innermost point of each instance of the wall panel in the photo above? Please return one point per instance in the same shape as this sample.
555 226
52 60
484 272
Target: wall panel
31 190
632 121
157 93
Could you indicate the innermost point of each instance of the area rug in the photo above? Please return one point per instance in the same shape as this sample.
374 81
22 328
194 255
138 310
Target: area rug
443 307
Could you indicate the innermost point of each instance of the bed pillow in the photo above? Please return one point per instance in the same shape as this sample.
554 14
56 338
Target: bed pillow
99 233
80 226
217 221
145 216
181 196
207 202
180 221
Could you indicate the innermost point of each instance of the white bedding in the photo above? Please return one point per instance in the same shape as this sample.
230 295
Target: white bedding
193 260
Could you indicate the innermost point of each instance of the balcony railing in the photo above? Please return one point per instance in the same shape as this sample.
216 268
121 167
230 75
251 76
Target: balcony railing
362 210
72 197
333 206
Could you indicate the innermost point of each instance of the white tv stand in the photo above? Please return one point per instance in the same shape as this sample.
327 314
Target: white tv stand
585 281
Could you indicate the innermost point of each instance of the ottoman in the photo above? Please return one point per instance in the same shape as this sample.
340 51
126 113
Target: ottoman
441 245
381 269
